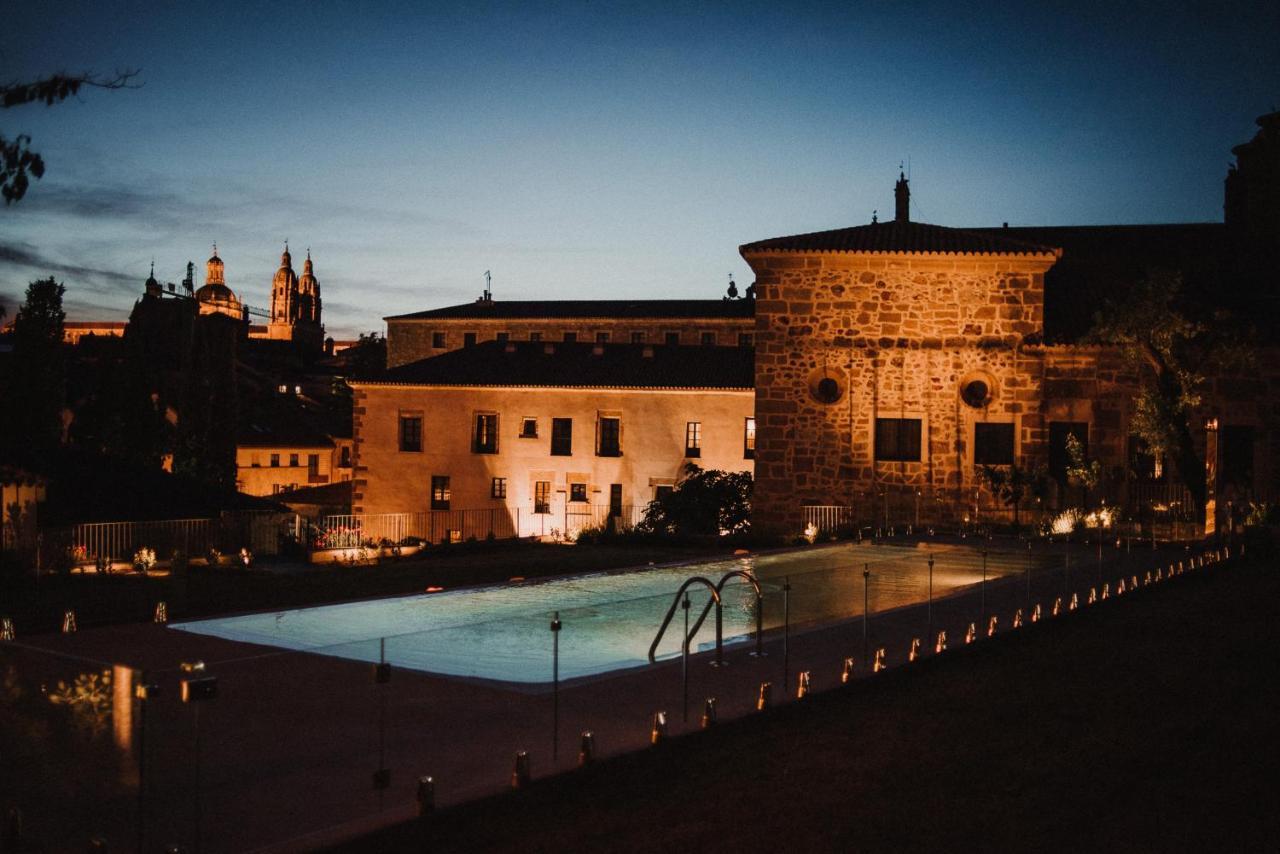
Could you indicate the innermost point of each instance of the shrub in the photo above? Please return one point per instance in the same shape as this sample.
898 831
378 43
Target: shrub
703 502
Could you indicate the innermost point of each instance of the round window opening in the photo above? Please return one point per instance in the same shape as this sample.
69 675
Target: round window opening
828 390
976 393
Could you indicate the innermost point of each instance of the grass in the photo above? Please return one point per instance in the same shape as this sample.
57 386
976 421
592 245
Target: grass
1138 725
121 598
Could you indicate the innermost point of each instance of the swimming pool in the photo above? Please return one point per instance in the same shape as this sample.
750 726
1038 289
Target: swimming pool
502 633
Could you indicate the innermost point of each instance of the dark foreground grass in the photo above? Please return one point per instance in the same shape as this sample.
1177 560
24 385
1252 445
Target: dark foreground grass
1147 723
121 598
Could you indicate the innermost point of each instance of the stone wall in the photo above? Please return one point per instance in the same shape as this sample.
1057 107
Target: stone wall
899 335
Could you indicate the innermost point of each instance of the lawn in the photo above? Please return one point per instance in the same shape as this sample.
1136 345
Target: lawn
1138 725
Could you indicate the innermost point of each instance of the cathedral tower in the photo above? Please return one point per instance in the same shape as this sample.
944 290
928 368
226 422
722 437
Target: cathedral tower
295 305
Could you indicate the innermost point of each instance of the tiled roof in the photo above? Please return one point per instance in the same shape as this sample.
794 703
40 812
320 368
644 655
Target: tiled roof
580 308
580 365
893 236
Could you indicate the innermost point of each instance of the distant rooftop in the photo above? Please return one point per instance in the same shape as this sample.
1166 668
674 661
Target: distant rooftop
594 308
580 365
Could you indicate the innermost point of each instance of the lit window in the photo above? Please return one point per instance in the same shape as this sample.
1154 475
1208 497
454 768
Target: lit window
749 440
693 439
610 434
577 492
993 444
561 437
898 439
498 488
440 492
542 496
528 428
410 433
485 440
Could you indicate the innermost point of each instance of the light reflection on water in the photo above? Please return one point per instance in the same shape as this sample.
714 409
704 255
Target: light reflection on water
609 620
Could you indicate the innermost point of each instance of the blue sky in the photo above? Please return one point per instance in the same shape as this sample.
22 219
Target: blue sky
597 150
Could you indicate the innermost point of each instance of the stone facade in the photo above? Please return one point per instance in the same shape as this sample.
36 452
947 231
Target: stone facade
900 334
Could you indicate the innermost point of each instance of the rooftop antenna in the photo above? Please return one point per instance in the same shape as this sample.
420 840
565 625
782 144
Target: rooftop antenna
488 280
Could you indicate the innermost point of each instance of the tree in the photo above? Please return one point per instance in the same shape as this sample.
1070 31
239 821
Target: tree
1172 355
17 160
368 356
35 385
703 502
1011 484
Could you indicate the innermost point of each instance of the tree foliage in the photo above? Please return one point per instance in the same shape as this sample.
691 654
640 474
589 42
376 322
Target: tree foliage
1014 484
35 384
705 501
18 163
1172 352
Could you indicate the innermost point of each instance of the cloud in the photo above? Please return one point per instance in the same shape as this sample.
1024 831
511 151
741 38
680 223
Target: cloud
25 256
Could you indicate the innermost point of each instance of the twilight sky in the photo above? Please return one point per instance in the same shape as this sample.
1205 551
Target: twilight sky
596 150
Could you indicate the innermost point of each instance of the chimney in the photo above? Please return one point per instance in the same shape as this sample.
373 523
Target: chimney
901 200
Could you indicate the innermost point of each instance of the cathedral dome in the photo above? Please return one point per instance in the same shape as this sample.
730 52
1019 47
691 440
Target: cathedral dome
215 296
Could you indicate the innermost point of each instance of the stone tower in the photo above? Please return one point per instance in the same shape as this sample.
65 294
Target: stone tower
295 305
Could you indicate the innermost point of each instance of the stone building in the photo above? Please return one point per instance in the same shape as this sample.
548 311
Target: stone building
553 436
295 305
423 334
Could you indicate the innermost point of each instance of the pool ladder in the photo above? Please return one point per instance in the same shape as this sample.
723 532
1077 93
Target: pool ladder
715 590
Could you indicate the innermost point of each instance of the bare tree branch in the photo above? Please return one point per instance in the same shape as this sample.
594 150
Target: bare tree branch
60 86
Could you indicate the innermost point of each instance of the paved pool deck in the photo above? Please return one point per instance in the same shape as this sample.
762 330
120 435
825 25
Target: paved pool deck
286 756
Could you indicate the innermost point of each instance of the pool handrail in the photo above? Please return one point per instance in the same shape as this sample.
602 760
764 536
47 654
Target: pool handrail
671 612
755 585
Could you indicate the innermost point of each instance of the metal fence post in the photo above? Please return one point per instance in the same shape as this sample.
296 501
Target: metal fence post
866 584
555 686
786 628
684 662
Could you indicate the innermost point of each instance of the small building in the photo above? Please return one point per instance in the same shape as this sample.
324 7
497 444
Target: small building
555 436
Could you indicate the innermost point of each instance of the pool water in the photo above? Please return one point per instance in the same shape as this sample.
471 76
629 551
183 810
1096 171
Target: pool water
608 620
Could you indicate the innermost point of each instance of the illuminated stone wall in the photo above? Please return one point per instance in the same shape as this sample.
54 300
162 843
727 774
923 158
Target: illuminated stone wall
900 334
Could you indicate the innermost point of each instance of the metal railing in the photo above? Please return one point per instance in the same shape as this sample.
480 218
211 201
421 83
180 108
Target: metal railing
433 526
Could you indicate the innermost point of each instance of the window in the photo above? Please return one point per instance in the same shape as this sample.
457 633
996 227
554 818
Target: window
637 337
293 461
313 464
708 339
561 437
610 433
993 444
498 488
671 338
570 337
1058 457
253 461
485 440
577 492
602 337
693 439
1143 464
439 492
1236 442
898 439
542 496
615 499
661 492
535 336
468 339
528 428
411 432
749 439
746 339
437 340
503 337
344 460
275 461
